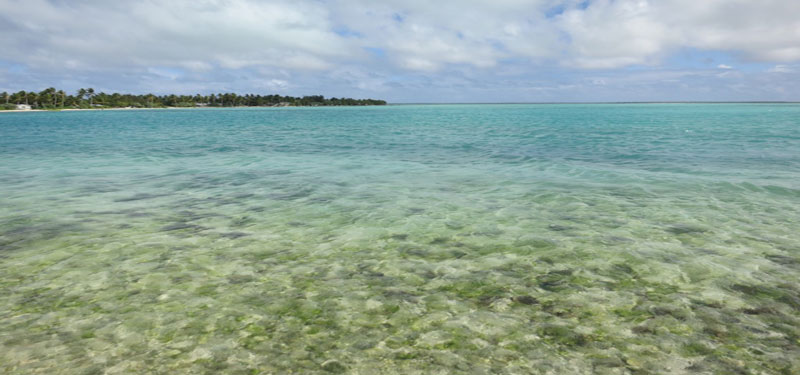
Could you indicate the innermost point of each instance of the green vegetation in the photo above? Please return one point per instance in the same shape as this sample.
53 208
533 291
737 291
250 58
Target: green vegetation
51 98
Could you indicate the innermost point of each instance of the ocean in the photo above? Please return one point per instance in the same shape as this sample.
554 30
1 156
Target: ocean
403 239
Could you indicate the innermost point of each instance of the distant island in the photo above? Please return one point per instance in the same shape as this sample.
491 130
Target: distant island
52 99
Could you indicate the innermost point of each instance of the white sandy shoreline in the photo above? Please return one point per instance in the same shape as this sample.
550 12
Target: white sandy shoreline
85 109
163 108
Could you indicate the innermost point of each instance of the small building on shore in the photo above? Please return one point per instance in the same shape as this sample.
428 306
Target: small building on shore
23 107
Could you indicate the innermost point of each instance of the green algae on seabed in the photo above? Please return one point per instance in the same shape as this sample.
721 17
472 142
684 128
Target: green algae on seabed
332 242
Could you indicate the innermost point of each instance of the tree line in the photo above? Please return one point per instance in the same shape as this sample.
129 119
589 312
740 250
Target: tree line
51 98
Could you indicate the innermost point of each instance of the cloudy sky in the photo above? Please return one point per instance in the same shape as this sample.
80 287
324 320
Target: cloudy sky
409 50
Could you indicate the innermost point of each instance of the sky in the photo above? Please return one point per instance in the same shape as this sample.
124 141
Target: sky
409 51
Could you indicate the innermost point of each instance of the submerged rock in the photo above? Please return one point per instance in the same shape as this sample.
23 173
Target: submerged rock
685 229
557 228
535 242
182 226
759 310
454 225
643 330
290 196
610 240
439 240
782 259
525 300
555 280
564 335
240 279
138 197
622 268
601 361
234 235
334 366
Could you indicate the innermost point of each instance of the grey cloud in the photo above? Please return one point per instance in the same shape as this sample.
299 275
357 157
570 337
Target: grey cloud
609 34
539 49
417 35
233 33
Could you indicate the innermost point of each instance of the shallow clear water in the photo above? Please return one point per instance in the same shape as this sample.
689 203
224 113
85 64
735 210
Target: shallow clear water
503 239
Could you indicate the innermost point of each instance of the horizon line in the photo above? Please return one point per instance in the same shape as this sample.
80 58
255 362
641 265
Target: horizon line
612 102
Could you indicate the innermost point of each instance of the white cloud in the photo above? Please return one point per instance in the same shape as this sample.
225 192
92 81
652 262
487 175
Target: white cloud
170 74
610 34
780 68
196 66
192 34
426 35
599 81
276 84
415 34
224 43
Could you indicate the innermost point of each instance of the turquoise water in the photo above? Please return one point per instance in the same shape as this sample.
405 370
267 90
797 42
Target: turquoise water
507 239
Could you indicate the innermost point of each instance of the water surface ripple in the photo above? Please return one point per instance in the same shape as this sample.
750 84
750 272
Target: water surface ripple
475 239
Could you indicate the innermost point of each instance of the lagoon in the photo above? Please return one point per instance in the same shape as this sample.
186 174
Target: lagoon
507 239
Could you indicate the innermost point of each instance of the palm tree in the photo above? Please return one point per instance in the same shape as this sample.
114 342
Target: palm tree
90 92
52 91
63 96
31 97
